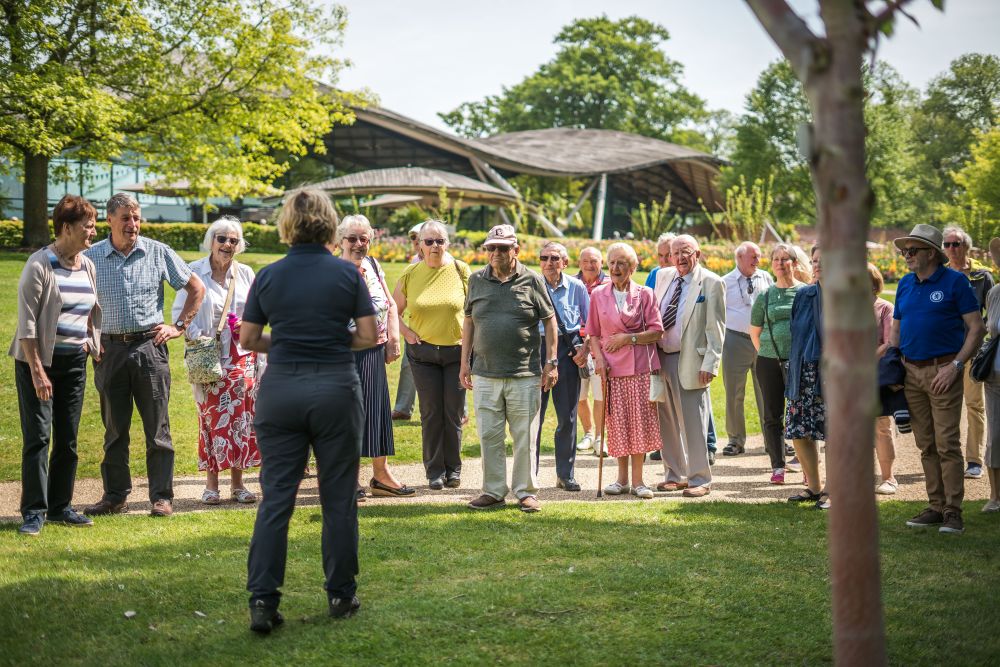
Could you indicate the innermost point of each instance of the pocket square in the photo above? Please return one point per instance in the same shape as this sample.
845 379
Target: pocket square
701 297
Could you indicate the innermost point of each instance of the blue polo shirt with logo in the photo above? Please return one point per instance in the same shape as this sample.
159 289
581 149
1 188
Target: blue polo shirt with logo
930 313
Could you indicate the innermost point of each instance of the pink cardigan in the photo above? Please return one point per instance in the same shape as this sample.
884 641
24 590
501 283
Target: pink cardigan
604 321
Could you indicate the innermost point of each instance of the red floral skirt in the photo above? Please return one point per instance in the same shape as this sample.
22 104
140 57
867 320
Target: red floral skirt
226 437
632 423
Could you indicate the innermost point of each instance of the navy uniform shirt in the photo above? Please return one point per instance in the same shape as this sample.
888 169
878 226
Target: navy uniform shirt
930 313
308 297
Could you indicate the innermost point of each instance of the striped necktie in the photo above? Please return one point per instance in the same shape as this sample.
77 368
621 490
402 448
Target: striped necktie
670 316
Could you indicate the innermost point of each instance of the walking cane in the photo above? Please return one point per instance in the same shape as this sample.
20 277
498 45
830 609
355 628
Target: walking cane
604 424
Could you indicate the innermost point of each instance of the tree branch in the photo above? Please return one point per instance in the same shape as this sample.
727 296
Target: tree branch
789 32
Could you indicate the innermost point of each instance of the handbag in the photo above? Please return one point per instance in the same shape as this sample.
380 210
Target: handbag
203 355
982 364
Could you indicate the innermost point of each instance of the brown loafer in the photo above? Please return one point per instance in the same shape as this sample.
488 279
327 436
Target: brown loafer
529 504
671 486
398 416
486 502
162 507
698 491
105 506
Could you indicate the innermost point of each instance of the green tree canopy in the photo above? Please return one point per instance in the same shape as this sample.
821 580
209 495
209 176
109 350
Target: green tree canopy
208 91
606 74
980 176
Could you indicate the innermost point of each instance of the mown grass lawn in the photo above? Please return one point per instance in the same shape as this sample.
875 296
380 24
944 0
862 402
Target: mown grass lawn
610 583
183 415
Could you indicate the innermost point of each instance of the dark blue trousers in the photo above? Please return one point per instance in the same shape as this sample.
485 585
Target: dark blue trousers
566 396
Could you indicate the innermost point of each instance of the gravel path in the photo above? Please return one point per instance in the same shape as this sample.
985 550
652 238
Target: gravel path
741 479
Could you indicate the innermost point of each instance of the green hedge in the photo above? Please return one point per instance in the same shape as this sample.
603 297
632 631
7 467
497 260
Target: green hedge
178 235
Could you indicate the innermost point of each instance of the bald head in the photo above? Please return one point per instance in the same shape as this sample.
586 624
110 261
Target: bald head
747 258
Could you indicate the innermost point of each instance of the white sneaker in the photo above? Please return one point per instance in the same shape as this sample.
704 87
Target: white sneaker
586 444
616 489
643 492
991 506
887 488
597 448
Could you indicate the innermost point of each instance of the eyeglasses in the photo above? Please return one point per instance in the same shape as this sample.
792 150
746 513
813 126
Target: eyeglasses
550 258
750 285
498 248
780 260
223 240
910 252
362 240
684 253
430 243
952 244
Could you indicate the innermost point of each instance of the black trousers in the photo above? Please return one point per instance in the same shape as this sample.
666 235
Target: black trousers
47 484
442 404
772 388
298 406
566 396
139 373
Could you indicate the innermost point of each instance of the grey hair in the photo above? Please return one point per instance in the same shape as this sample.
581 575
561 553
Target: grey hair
558 246
121 200
801 269
600 255
353 222
665 238
628 250
961 233
225 223
686 238
742 248
433 225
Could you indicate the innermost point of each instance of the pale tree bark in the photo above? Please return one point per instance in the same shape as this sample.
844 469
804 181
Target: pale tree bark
829 67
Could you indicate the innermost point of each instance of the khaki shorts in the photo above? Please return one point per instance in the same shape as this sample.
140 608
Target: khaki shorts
591 387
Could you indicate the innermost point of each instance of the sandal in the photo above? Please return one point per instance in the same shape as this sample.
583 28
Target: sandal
806 496
210 497
244 496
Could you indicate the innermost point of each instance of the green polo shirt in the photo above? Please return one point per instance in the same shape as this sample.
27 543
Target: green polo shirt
506 341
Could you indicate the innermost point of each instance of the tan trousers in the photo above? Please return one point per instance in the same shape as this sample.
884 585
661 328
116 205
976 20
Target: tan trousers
975 410
935 419
501 403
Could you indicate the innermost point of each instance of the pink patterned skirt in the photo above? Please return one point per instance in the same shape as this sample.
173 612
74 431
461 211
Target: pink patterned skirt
632 423
226 437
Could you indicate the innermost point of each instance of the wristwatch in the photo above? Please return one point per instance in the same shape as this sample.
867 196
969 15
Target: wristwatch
635 339
180 325
552 362
959 365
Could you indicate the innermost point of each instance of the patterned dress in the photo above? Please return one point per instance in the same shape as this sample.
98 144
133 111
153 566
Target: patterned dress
226 437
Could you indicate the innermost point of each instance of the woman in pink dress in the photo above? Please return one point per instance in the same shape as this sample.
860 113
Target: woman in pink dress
623 327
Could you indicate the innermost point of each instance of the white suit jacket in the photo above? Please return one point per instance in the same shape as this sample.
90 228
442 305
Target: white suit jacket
703 323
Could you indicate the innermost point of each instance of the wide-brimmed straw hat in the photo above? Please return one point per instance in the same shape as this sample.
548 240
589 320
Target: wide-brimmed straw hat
928 235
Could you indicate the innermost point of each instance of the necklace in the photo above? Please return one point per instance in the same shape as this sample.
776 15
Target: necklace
64 260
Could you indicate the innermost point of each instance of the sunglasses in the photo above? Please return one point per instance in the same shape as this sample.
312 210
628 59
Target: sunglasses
952 244
550 258
498 248
910 252
363 240
223 240
430 243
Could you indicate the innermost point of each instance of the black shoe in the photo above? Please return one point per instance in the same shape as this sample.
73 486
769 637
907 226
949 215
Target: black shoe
436 484
344 607
656 456
263 618
567 484
789 450
453 480
732 449
71 517
361 495
929 517
952 523
32 525
711 458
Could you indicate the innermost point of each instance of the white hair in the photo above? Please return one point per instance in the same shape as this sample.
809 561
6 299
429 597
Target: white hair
353 222
666 237
433 225
628 250
225 223
685 238
559 247
742 248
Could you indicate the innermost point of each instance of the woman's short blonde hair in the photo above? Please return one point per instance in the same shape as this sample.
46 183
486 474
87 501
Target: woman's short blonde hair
225 223
307 216
878 282
432 225
352 222
628 250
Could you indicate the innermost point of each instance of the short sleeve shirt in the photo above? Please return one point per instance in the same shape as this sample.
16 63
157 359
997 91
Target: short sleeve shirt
930 313
435 298
572 301
309 297
130 287
506 341
776 340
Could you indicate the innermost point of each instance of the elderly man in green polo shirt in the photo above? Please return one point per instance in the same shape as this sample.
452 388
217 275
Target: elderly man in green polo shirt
501 364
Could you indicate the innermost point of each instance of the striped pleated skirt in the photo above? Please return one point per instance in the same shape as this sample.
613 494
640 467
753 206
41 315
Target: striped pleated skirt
378 412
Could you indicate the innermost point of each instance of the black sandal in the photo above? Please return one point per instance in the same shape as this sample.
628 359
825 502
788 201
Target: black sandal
732 450
806 496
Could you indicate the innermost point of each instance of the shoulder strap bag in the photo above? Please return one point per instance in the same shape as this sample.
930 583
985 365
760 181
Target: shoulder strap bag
783 363
203 355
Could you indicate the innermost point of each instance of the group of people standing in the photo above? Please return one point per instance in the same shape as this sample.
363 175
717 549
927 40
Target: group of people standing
647 355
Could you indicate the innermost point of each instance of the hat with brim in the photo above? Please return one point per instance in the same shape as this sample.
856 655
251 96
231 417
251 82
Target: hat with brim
927 235
415 230
501 235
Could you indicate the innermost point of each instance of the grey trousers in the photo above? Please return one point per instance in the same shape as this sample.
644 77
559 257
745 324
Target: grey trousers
136 372
298 406
406 391
739 357
683 428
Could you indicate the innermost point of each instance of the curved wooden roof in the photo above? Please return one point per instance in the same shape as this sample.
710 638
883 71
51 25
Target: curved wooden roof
414 180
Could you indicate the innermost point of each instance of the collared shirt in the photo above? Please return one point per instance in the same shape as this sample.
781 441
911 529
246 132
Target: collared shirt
602 278
571 300
741 293
930 313
130 287
206 320
506 314
671 340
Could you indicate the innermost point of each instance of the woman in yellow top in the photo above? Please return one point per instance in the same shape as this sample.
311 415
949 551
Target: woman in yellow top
433 292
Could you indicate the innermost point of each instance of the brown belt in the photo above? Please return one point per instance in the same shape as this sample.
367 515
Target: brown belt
936 361
129 337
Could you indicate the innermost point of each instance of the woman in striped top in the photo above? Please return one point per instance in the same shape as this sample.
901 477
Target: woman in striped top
58 324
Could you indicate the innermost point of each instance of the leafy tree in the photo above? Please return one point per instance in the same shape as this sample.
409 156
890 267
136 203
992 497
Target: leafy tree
205 91
606 74
980 176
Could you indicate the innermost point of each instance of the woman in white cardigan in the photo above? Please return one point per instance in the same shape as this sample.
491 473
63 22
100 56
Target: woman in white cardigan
226 437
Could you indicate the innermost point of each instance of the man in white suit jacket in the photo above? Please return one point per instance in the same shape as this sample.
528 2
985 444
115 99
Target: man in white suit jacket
694 323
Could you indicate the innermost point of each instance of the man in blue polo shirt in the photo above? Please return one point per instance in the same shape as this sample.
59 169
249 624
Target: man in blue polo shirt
938 327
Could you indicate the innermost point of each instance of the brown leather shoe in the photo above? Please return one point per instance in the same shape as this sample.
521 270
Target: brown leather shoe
529 504
104 507
485 502
697 492
671 486
400 416
162 507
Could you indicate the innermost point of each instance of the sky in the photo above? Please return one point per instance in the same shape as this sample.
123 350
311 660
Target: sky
429 57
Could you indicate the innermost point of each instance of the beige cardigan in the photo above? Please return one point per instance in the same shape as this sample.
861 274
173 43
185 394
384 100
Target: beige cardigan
39 304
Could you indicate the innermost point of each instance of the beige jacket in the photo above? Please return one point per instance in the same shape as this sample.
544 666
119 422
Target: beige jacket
39 304
703 323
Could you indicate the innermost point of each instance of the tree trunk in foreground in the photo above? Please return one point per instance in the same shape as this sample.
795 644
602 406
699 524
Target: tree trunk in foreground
36 201
830 70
